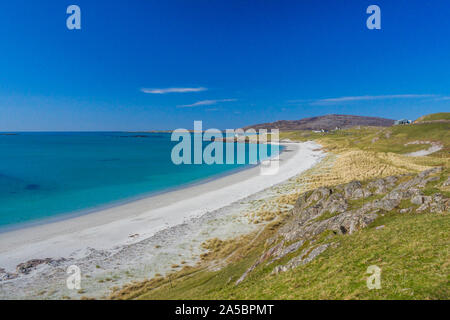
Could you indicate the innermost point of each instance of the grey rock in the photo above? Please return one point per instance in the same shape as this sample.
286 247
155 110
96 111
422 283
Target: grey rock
439 203
382 186
428 172
398 195
406 210
350 188
302 259
424 182
446 183
421 199
419 180
390 181
422 208
292 248
386 204
417 200
273 251
361 193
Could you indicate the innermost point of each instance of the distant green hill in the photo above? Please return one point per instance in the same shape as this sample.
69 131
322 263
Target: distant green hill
434 117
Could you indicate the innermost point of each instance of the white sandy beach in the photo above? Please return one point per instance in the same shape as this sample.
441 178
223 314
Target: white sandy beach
112 230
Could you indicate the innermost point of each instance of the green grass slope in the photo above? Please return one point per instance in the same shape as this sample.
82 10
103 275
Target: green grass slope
435 117
412 250
391 139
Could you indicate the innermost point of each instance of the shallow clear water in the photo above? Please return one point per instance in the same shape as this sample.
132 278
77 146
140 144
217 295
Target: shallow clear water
49 175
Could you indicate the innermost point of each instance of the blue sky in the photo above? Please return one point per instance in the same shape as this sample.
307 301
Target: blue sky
142 65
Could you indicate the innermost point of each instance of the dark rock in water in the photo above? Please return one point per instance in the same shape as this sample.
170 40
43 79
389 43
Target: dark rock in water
32 187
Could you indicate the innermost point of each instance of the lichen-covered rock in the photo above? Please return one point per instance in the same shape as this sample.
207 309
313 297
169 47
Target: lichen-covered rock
351 188
382 186
419 180
273 251
439 204
418 200
428 172
406 210
424 182
386 204
446 183
423 208
305 257
361 193
291 248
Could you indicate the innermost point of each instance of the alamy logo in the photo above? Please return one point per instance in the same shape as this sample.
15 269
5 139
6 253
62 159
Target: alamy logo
190 149
374 21
73 22
73 282
374 281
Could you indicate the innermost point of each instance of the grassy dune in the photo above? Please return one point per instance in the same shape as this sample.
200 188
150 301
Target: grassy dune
391 139
411 249
435 117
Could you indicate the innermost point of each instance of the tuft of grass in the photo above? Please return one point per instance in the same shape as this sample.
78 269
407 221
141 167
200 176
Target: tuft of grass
327 215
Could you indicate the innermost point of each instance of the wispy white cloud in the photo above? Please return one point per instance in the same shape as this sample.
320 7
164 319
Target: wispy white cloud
172 90
443 99
206 103
370 98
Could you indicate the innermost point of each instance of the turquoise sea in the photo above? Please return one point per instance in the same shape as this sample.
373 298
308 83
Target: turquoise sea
45 176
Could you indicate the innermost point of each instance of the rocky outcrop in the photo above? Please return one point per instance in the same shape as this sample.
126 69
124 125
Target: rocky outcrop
446 183
303 258
342 210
